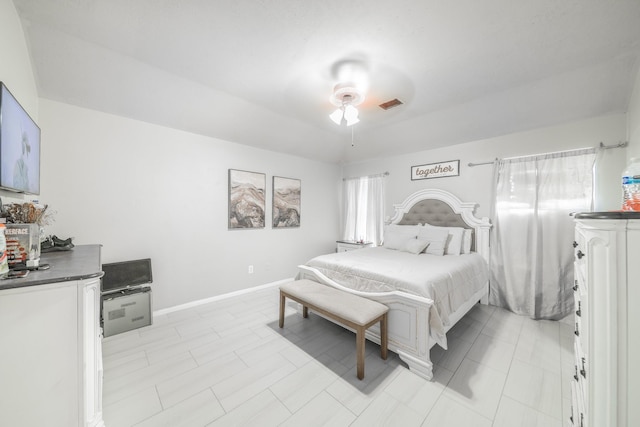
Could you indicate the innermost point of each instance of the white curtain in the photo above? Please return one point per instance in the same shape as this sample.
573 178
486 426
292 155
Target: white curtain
364 209
531 253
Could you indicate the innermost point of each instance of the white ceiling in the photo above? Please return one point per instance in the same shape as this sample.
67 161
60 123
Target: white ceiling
260 72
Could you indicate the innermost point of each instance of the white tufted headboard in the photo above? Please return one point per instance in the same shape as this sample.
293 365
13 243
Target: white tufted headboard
441 208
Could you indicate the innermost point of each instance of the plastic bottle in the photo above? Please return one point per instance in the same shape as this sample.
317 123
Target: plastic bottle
631 186
4 263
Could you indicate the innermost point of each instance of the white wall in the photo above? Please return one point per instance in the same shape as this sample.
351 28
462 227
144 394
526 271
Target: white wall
15 64
633 120
475 183
142 190
16 71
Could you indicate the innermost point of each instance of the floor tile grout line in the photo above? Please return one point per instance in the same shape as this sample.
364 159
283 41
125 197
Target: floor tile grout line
215 396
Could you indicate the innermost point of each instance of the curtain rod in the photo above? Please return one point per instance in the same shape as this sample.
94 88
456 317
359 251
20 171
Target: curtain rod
483 163
601 146
618 145
368 176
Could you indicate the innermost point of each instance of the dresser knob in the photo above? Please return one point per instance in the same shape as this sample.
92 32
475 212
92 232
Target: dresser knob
576 331
580 254
575 244
579 310
583 371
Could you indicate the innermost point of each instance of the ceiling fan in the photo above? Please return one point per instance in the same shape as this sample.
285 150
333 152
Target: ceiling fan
353 81
354 78
316 93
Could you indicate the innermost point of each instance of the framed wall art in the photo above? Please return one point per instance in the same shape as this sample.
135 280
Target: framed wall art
247 194
435 170
286 202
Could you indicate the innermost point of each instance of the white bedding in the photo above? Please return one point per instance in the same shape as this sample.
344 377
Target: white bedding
448 280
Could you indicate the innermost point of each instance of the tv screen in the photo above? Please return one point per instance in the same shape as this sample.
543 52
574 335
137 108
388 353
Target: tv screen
121 275
19 146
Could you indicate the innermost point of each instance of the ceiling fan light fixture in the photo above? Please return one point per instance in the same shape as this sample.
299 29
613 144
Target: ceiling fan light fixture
346 96
351 115
353 122
347 113
336 116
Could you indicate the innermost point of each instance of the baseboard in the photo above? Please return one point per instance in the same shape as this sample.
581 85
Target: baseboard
219 297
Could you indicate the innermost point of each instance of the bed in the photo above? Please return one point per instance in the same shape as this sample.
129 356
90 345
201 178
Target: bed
422 307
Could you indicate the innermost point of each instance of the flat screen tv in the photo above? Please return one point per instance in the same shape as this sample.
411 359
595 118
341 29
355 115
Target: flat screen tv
126 274
19 146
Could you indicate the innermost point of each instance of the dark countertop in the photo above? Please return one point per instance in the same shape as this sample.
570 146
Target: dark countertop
608 215
81 262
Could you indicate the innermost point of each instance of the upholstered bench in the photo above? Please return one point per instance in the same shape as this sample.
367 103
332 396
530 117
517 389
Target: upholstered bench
347 309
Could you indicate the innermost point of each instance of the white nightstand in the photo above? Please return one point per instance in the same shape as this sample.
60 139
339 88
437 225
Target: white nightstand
345 245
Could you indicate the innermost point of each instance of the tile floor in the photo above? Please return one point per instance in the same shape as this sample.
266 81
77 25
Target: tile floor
227 363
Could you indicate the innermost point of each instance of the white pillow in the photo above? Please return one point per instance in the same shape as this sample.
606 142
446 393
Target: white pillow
407 230
454 242
436 238
396 241
395 236
466 240
415 246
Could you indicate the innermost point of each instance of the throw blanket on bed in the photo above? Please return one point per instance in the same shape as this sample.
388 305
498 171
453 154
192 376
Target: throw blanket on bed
448 280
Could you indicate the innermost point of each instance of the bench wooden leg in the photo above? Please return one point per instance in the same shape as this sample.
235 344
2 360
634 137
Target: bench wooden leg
383 337
281 321
360 351
305 311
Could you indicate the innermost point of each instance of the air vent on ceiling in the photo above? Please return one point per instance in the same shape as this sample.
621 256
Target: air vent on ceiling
390 104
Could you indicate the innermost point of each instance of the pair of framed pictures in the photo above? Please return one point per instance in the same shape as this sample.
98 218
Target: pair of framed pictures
247 200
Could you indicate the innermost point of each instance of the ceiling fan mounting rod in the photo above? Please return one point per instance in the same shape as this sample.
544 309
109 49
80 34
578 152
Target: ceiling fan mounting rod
343 90
347 99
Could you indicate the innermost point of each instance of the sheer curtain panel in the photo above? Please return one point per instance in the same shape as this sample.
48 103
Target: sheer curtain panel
364 209
531 253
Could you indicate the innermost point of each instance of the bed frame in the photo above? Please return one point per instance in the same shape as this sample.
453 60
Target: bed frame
409 314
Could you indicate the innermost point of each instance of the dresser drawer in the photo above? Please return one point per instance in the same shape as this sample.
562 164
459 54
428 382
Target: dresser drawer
581 314
581 374
580 261
577 407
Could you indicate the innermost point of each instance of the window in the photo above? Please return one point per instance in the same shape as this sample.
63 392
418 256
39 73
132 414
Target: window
364 209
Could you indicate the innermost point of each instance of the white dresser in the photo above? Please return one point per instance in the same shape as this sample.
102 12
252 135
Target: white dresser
606 379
